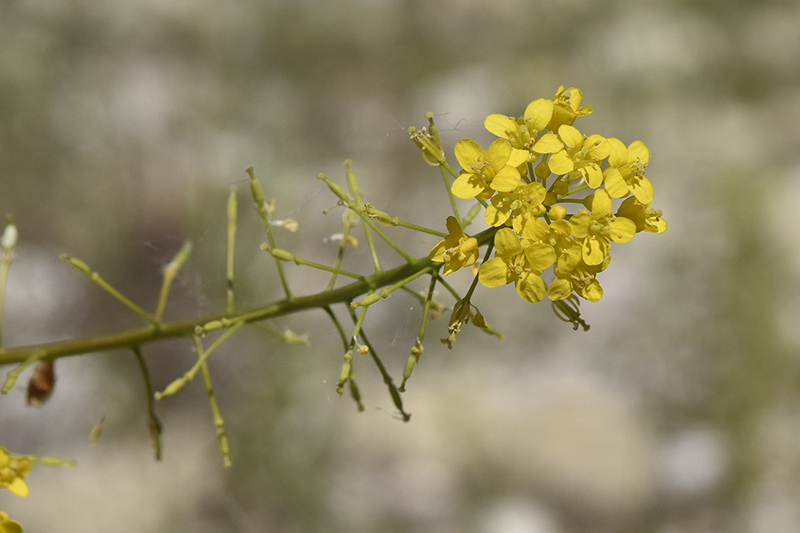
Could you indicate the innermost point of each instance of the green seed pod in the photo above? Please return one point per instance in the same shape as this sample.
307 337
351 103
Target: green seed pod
410 364
356 394
255 188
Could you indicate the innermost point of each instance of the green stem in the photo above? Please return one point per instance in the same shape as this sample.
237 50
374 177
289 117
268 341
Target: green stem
170 330
170 271
202 357
387 379
347 226
385 220
369 224
283 255
103 284
264 213
384 293
219 422
450 194
449 288
232 215
576 190
565 200
337 325
153 423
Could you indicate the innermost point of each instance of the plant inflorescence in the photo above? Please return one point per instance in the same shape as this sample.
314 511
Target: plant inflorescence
553 201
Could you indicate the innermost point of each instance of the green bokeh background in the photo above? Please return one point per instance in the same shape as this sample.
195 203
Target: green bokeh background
124 124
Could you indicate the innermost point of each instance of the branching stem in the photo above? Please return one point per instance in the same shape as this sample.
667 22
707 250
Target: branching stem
187 328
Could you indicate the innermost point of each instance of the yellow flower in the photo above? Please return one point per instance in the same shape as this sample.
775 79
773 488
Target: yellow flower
518 261
625 171
521 202
595 229
571 271
463 312
560 289
9 526
522 132
581 157
645 217
569 251
487 171
456 250
13 470
523 180
567 107
583 279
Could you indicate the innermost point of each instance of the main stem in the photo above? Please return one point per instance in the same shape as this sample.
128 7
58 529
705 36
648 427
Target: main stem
159 332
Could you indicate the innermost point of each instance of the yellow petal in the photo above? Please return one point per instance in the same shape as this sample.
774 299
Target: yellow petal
9 526
579 223
593 291
619 154
493 273
540 256
576 95
506 180
534 193
531 288
548 143
569 259
467 153
637 151
570 135
500 125
655 225
632 210
622 229
466 186
594 251
494 217
560 225
506 242
560 163
517 157
534 229
559 289
451 266
598 146
601 204
538 114
437 254
642 189
469 251
615 185
593 175
454 228
18 487
498 153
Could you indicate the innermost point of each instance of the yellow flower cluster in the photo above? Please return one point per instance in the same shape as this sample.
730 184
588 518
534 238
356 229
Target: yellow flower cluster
527 179
13 469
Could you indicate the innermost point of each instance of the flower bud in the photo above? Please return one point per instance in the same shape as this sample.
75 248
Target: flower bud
557 212
9 238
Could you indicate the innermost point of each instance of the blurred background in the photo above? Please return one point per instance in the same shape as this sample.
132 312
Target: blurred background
123 126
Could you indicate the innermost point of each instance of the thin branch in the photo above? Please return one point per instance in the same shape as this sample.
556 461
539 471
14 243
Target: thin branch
153 423
186 328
